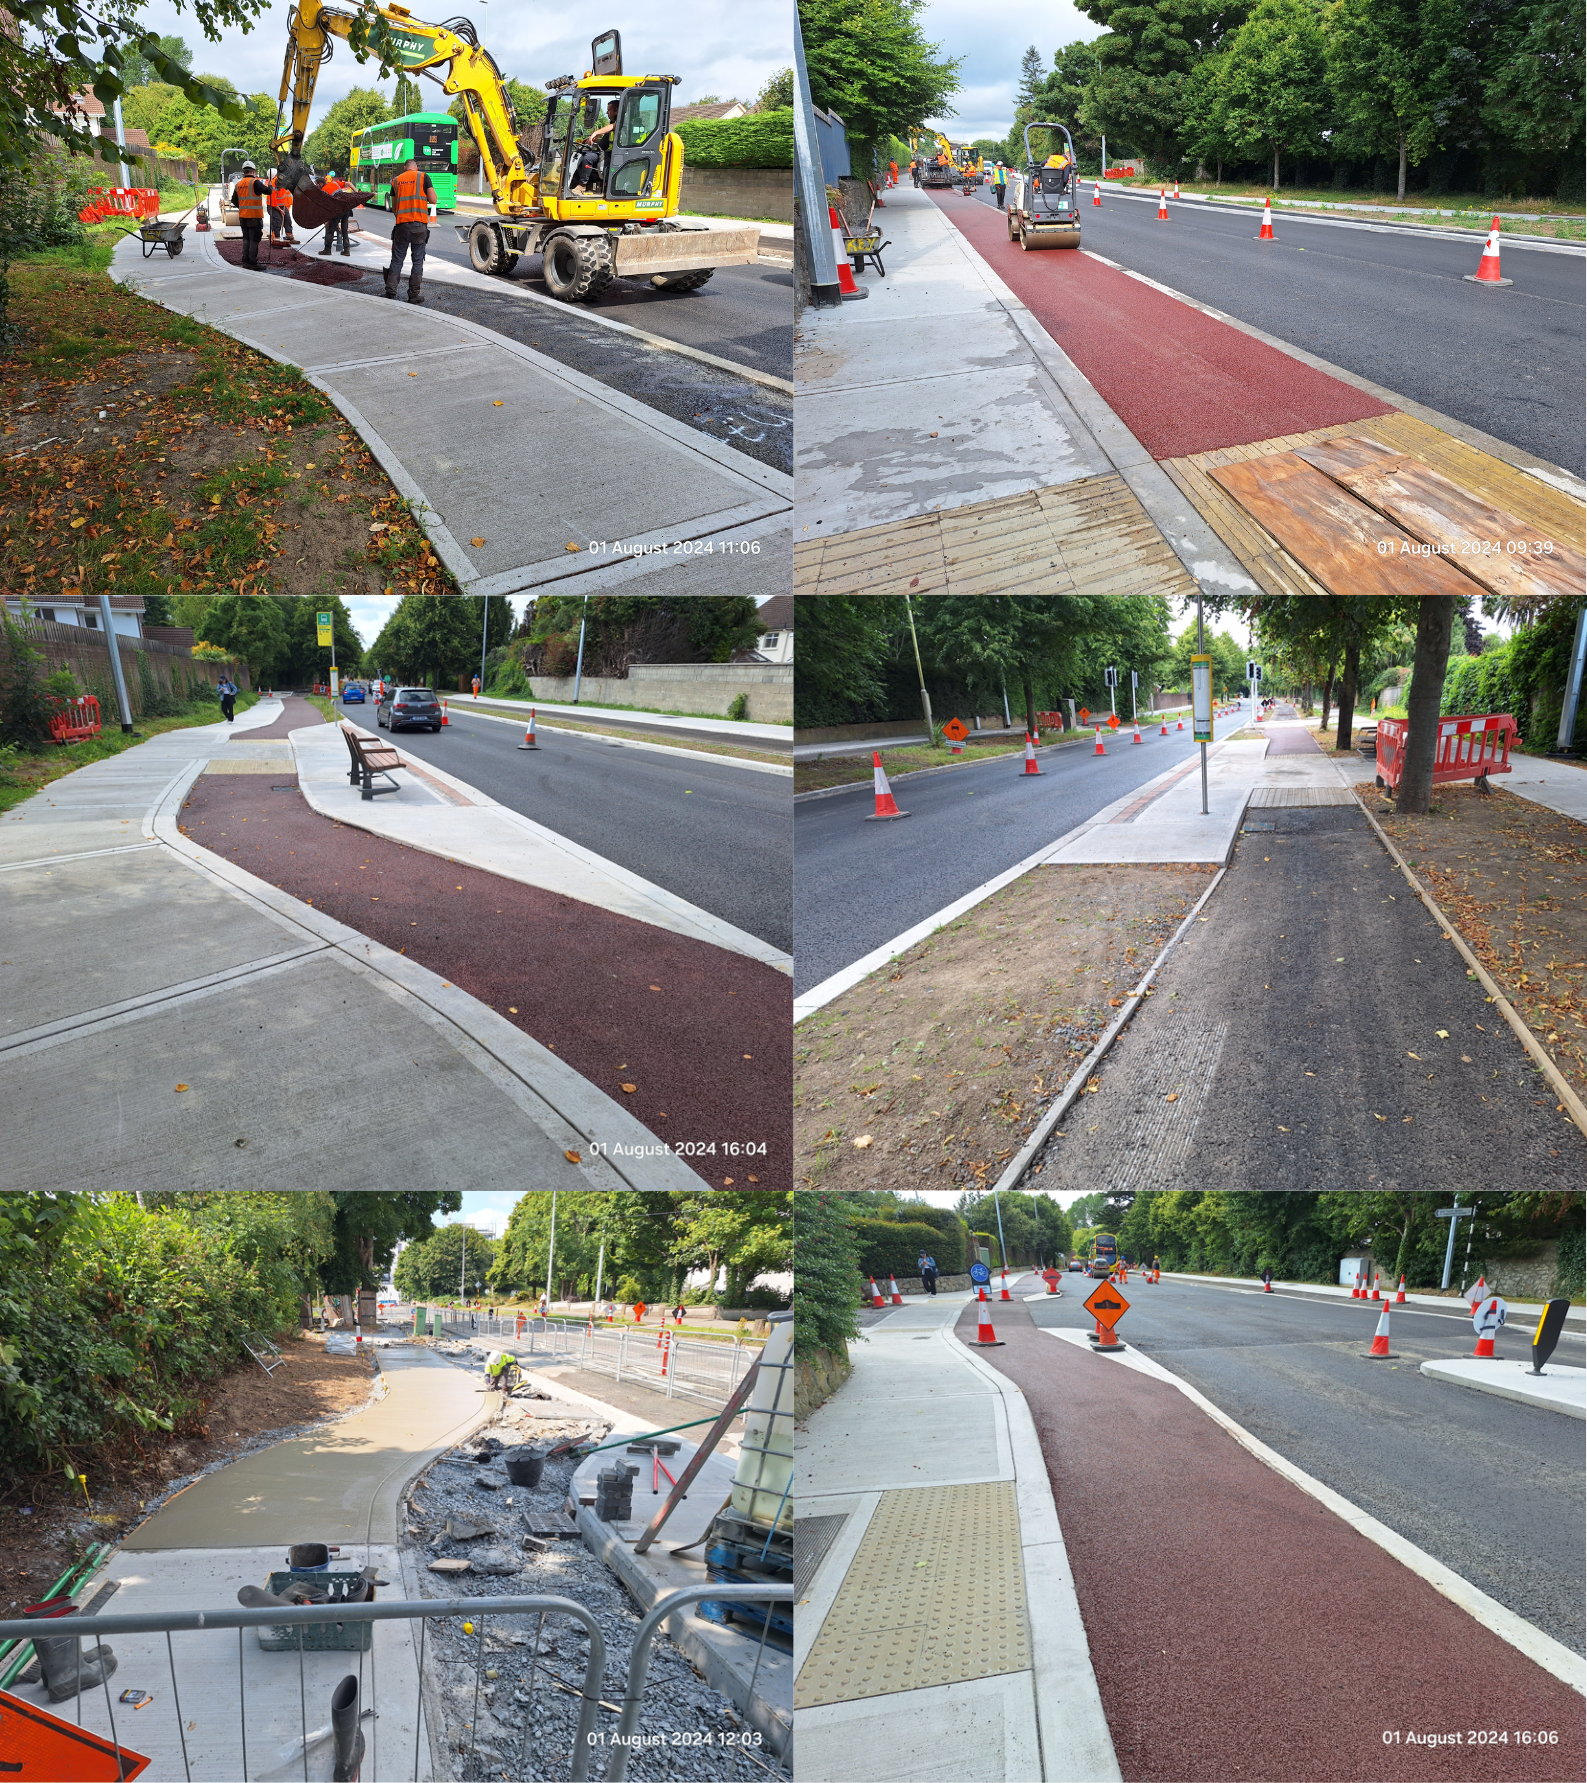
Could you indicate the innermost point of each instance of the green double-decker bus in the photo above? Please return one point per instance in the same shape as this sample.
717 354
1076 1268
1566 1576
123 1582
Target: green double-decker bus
427 139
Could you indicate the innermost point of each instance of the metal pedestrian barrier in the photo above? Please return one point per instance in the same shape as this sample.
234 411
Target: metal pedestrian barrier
589 1739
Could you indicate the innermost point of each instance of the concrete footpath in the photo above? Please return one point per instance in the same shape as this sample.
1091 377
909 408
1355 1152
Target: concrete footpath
172 1020
339 1485
938 1636
467 440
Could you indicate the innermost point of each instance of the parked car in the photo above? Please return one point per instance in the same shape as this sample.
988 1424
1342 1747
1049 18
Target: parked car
1076 1264
352 694
408 706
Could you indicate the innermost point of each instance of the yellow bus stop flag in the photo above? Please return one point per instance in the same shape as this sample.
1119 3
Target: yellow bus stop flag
324 622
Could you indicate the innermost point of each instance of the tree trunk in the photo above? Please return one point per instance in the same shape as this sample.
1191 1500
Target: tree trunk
1402 164
1347 695
1328 695
1220 170
1275 166
1030 705
1433 621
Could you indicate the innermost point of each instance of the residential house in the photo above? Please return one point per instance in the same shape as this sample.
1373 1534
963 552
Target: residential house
126 611
776 641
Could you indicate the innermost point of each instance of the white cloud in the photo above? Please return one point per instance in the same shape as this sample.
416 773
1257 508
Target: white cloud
716 47
991 44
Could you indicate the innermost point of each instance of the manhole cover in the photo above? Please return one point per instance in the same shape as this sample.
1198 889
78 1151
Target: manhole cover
1249 828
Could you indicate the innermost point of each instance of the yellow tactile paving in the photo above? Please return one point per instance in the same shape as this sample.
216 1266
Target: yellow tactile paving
935 1595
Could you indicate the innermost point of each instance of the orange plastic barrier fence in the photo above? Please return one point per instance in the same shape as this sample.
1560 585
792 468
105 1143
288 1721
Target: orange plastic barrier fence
1468 748
76 719
126 201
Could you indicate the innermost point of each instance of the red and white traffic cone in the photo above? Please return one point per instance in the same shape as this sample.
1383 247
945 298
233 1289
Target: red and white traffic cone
444 718
1479 1293
886 804
1267 1286
1162 205
1377 1288
1137 736
1487 272
985 1336
1099 750
1380 1339
1005 1295
1096 193
666 1350
892 1282
530 740
1181 724
846 282
1266 231
1164 731
1484 1344
1030 755
1176 188
1355 1289
1399 1299
876 1294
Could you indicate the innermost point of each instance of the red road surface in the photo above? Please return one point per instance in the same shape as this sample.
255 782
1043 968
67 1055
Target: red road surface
702 1034
296 712
1238 1629
1180 381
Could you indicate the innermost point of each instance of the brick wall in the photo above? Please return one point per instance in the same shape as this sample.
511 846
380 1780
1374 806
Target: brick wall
152 670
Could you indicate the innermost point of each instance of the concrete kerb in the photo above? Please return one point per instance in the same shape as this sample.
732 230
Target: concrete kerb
766 493
1076 1743
1560 1388
737 761
567 1107
831 792
1553 1656
726 728
1327 1291
521 849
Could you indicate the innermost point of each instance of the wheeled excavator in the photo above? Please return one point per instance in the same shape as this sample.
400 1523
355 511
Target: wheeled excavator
935 153
593 188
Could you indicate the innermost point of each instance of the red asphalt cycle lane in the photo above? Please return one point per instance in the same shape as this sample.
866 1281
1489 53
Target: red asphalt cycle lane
1240 1630
1180 380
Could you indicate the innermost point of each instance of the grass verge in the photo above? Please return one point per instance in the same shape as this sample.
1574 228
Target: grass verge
22 775
1525 216
856 770
150 454
931 1072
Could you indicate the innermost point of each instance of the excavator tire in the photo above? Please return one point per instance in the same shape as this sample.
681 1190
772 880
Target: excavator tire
576 268
681 281
486 249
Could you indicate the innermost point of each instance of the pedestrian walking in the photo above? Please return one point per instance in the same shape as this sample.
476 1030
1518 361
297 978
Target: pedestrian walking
928 1273
249 195
412 199
227 689
518 1331
476 687
892 173
914 170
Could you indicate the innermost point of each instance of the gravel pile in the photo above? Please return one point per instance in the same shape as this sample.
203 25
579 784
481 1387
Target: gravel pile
527 1672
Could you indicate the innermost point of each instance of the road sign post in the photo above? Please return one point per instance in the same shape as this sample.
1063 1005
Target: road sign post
1111 676
1253 674
1135 702
1452 1214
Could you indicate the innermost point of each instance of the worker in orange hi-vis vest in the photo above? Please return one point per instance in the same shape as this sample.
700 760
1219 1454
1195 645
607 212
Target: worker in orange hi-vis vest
249 196
412 196
281 216
331 184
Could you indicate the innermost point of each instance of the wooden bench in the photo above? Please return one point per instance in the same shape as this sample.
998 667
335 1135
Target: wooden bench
370 756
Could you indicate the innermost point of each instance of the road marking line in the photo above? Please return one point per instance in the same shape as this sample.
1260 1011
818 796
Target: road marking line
1542 1649
694 755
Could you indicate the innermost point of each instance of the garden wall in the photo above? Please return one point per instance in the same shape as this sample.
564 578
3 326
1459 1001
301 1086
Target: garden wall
709 687
738 192
152 670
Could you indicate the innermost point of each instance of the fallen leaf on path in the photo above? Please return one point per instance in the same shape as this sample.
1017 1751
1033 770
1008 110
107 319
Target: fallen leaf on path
628 1088
863 1141
1174 1097
1380 1117
570 546
573 1157
1442 1033
181 1086
476 541
1414 1055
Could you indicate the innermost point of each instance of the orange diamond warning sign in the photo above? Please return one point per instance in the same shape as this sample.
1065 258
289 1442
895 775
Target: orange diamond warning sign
955 728
42 1748
1106 1304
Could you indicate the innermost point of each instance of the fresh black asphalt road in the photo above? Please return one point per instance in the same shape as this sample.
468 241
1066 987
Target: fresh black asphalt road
1490 1487
715 834
1393 307
859 884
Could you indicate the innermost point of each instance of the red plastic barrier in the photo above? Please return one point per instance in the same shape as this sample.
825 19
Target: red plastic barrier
1468 748
76 720
1127 172
126 201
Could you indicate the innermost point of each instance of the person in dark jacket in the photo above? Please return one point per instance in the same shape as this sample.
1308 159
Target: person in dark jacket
227 689
928 1273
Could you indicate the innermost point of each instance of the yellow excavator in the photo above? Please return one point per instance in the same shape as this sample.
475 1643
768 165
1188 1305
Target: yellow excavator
935 153
593 189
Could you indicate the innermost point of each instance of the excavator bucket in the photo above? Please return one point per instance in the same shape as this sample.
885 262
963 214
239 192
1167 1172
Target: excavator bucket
685 250
313 208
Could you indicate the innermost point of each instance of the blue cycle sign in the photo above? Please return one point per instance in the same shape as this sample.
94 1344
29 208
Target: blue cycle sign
980 1274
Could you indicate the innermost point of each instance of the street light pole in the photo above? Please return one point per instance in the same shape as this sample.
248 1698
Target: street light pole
551 1254
578 673
123 705
484 632
1201 650
462 1268
925 698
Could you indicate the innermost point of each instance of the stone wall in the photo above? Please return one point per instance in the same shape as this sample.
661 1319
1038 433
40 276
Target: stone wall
1529 1275
912 1284
709 687
738 192
816 1378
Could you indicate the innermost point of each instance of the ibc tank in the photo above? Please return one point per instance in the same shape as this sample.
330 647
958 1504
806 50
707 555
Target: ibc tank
761 1486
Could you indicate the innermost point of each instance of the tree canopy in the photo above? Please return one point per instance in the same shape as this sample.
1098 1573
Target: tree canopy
329 144
870 63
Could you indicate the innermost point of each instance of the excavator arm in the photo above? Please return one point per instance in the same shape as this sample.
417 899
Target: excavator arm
417 48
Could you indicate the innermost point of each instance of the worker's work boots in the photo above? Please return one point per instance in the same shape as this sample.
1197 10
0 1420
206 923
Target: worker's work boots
67 1668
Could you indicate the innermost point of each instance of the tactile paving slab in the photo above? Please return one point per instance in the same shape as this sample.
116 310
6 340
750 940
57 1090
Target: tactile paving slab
935 1595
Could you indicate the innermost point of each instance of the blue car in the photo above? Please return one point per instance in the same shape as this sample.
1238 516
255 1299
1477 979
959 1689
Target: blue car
352 694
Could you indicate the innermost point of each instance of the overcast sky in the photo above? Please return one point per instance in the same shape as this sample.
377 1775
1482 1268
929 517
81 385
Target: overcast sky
991 44
716 47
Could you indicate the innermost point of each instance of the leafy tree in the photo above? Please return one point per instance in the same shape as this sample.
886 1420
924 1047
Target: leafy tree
844 643
204 134
586 1219
1139 93
1272 80
624 629
1389 65
1228 659
368 1227
778 92
825 1266
454 1258
1031 76
429 638
137 70
329 144
869 62
1060 97
1381 1217
1035 1227
1434 620
250 628
407 97
141 108
303 658
744 1231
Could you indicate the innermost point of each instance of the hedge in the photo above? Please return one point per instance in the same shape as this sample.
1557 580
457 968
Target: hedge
1526 677
763 139
825 1260
949 1247
893 1247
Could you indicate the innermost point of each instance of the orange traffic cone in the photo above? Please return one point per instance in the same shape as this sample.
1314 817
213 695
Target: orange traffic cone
1399 1299
985 1336
1165 728
1267 1287
1487 272
1030 754
444 718
1355 1288
1380 1340
1181 725
1005 1295
1137 736
892 1282
1377 1288
1266 231
1162 205
886 804
1478 1294
876 1294
1099 750
1484 1344
1176 188
1096 193
846 283
530 740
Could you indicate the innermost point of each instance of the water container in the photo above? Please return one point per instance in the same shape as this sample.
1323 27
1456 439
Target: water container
309 1557
761 1486
524 1465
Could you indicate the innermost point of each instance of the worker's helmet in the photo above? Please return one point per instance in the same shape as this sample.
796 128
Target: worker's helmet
248 167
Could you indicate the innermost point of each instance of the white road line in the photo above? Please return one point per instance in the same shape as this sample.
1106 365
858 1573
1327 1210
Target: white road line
694 755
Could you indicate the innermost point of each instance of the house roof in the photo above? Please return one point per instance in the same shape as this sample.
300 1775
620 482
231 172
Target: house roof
722 108
777 614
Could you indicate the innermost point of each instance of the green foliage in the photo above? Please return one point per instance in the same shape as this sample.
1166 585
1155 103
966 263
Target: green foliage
623 629
585 1221
826 1261
1271 90
1390 66
869 63
1057 95
1525 676
778 92
368 1226
739 1232
1228 660
429 639
329 143
1034 1226
951 1236
455 1259
893 1247
24 704
203 133
844 643
763 139
39 202
137 71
